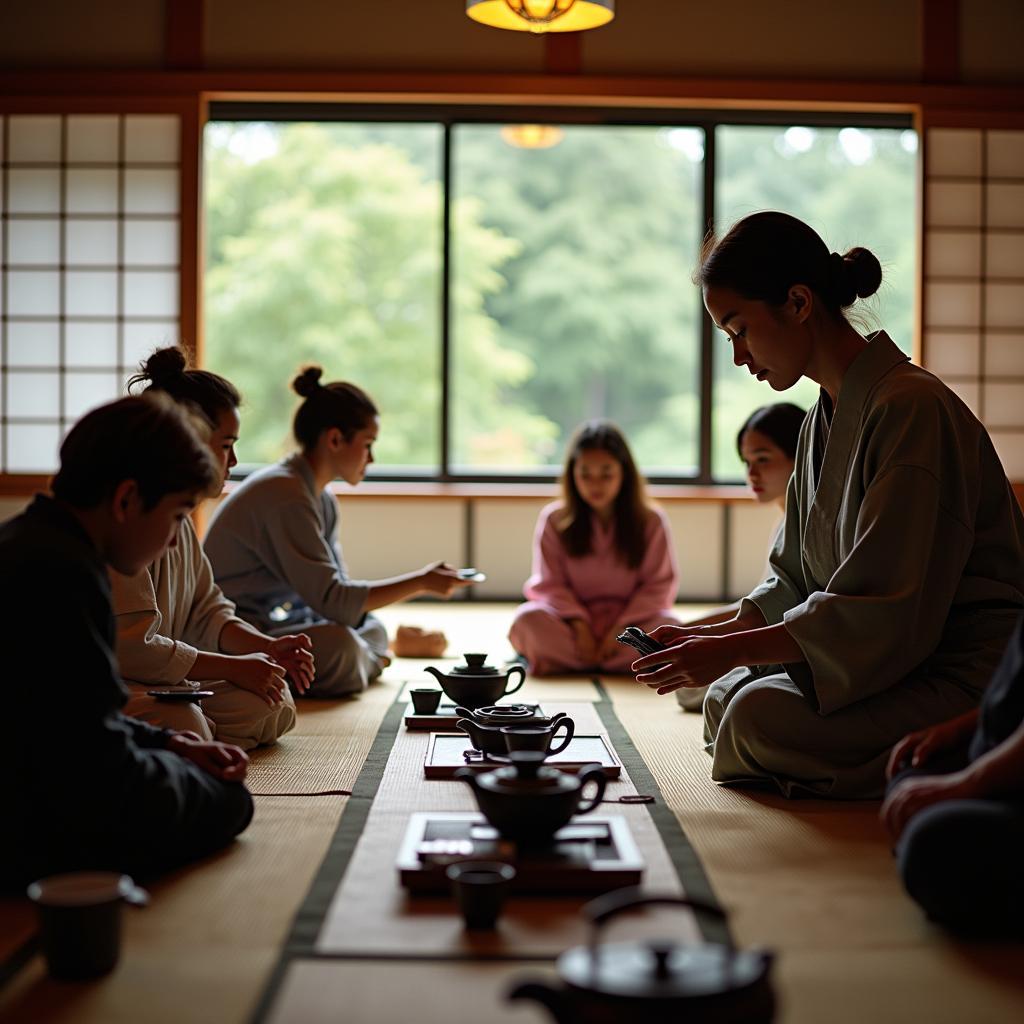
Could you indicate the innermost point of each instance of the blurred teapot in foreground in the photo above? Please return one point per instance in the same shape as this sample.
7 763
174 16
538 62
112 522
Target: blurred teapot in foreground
655 982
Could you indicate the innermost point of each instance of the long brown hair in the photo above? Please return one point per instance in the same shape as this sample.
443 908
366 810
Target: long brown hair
631 507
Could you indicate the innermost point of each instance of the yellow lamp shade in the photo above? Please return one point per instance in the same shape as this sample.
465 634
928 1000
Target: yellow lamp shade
542 15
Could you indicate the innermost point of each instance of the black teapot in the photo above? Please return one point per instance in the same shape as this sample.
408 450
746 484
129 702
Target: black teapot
491 740
655 982
475 684
527 802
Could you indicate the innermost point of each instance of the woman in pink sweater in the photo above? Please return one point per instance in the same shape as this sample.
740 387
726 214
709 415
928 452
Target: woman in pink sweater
602 560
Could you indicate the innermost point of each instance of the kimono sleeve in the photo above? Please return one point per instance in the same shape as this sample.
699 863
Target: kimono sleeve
144 654
885 607
549 581
306 560
210 610
659 576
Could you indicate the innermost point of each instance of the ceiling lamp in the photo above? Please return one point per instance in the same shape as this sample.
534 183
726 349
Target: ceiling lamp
542 15
532 136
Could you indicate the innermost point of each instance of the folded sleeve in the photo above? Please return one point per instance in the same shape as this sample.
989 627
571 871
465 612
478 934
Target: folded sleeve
884 609
549 580
210 611
145 655
658 574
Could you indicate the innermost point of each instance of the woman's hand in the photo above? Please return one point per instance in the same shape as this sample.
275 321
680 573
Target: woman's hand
912 795
221 760
294 653
440 578
915 749
694 662
585 641
260 674
609 646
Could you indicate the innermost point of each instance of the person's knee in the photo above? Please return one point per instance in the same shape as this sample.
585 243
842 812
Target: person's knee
959 863
344 663
174 715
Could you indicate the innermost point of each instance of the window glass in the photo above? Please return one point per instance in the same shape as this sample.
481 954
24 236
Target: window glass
571 294
854 186
324 246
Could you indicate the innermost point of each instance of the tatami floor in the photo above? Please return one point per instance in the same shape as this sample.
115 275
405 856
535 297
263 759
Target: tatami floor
812 880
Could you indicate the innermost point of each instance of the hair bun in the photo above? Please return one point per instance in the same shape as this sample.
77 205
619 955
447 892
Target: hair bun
308 381
862 275
165 364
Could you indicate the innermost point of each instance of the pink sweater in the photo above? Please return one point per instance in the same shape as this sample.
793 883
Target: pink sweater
600 587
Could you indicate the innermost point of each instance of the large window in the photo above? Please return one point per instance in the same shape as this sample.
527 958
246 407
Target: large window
492 296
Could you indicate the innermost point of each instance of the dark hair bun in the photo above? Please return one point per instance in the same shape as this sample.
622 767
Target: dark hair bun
164 364
861 277
308 381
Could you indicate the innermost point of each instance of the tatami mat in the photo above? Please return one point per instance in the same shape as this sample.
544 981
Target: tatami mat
319 992
815 881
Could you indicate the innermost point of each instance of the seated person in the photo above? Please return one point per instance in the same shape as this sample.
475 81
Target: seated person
274 548
897 578
955 809
176 628
767 445
602 560
90 788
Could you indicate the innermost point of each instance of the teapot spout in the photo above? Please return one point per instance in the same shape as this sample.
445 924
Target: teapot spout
552 999
438 675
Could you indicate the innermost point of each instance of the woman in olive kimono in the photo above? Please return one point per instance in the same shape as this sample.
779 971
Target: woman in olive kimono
898 576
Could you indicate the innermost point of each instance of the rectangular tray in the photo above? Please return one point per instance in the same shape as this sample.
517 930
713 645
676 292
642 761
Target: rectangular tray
443 720
593 853
445 755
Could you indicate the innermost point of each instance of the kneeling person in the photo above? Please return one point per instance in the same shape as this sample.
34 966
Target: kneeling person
174 626
95 789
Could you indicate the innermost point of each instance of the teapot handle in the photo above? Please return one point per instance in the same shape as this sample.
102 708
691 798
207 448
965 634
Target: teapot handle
604 908
570 729
508 676
591 773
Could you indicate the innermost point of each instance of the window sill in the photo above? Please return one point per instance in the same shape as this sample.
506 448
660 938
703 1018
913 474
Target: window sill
477 491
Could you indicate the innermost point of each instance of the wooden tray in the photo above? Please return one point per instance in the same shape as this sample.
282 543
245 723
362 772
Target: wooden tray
444 719
593 853
446 753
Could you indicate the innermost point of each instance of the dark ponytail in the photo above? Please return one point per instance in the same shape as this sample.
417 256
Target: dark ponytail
166 371
336 405
780 423
762 256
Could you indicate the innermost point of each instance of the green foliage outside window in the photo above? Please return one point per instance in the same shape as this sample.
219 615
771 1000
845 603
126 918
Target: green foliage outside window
570 279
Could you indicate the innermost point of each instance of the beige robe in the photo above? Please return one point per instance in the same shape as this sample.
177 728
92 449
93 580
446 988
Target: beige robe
899 571
165 615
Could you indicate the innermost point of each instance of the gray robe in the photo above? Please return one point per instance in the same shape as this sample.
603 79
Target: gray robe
899 572
273 546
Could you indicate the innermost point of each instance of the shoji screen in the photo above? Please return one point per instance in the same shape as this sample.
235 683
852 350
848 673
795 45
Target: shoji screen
89 252
974 287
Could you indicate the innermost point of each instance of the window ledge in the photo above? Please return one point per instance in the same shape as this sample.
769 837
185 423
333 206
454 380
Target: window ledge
478 491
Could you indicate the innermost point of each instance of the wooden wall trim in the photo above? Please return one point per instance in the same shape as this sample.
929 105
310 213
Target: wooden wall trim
563 53
184 43
583 90
940 40
191 249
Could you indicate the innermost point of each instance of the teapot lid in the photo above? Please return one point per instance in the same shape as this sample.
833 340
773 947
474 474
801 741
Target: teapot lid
661 970
527 775
475 666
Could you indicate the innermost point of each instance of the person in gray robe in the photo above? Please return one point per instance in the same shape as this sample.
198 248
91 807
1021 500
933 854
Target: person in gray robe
273 544
898 576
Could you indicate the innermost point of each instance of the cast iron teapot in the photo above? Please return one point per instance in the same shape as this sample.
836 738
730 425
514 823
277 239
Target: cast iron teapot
656 982
475 685
527 802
